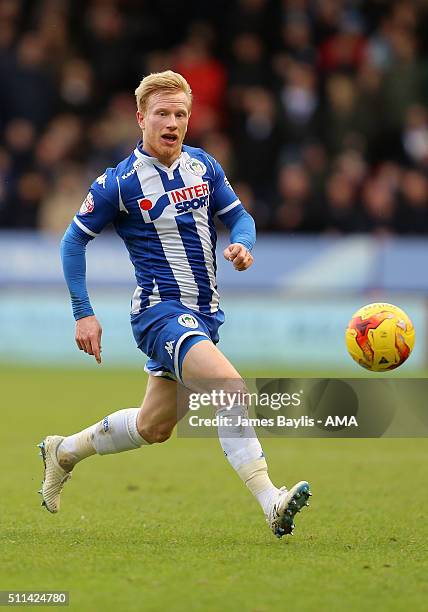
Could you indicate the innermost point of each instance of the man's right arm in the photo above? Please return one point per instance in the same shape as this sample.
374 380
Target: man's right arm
88 330
73 248
100 207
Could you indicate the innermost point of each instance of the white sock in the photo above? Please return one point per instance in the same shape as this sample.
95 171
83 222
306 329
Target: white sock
114 434
266 498
245 454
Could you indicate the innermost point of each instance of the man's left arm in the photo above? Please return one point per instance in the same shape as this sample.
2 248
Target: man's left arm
227 206
242 237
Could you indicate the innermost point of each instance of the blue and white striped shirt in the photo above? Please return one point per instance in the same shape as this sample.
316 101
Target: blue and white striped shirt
165 216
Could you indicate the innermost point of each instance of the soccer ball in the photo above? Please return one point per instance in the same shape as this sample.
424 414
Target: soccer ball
380 337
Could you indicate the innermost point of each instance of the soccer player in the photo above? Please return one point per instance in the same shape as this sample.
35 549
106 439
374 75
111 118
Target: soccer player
162 201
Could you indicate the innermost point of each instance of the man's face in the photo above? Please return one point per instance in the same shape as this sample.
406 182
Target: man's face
164 124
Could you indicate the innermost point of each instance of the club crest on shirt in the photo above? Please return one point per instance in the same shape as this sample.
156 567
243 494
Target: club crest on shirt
195 166
88 205
186 320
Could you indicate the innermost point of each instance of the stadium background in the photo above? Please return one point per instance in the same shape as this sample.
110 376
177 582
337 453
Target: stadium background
318 111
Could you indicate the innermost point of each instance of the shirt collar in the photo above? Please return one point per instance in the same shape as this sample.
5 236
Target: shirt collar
142 155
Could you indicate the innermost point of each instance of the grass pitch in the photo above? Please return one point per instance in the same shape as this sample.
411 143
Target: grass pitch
172 527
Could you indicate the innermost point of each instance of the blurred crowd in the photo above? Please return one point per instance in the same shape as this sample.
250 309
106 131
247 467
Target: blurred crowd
317 109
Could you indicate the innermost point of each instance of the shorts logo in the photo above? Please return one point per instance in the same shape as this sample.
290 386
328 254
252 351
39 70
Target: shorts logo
88 204
186 320
105 424
195 166
169 346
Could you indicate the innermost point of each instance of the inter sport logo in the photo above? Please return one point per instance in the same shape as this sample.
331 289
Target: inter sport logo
183 199
190 198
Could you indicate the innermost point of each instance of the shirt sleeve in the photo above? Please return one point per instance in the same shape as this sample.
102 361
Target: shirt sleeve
100 207
223 196
73 246
241 225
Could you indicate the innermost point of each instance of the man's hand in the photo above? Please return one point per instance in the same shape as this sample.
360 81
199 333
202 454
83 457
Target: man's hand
239 255
88 336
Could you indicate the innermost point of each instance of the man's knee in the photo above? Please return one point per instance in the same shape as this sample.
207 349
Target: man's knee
155 434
